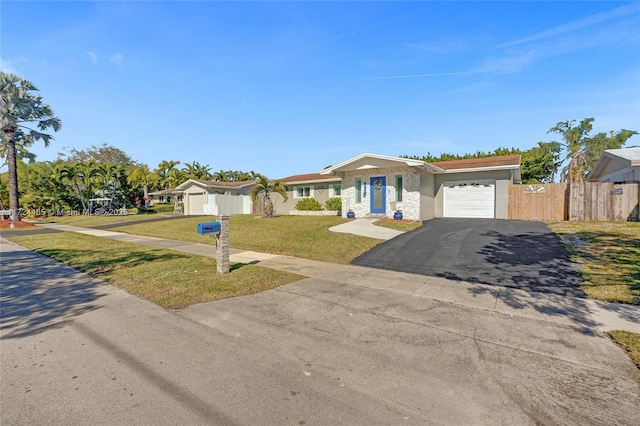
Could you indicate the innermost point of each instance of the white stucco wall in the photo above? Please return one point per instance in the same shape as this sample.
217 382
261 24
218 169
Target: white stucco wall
410 204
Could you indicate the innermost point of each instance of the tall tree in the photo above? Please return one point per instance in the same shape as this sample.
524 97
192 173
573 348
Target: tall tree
104 153
20 111
539 164
583 151
196 171
141 175
164 170
264 185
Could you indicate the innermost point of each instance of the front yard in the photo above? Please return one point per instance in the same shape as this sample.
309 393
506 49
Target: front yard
609 257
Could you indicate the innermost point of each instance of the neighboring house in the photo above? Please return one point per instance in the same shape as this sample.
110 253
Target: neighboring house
313 185
617 166
215 198
164 196
378 185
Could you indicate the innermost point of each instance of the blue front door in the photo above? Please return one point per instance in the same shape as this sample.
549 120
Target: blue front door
378 190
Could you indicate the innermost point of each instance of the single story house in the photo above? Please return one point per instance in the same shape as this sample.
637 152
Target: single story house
164 196
617 166
214 198
378 186
313 185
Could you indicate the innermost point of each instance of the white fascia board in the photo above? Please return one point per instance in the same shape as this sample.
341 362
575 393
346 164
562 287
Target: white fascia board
481 169
305 182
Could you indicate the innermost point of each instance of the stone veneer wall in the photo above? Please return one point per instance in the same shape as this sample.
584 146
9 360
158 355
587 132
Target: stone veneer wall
410 204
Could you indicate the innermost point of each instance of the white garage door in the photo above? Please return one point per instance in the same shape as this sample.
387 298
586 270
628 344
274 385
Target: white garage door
195 203
470 200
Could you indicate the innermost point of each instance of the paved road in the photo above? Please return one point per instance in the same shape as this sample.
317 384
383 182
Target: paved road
77 351
509 253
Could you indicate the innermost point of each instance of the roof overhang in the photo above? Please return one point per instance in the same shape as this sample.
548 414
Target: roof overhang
609 157
223 186
310 181
374 161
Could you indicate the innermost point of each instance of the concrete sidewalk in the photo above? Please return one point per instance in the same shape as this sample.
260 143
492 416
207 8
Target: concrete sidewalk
584 313
366 228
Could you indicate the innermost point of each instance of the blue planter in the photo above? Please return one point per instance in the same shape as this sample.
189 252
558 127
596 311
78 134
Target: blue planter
351 215
397 215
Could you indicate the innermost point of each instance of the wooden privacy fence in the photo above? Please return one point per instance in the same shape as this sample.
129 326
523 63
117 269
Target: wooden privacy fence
576 201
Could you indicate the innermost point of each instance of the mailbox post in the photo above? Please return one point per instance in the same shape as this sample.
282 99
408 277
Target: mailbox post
222 246
219 230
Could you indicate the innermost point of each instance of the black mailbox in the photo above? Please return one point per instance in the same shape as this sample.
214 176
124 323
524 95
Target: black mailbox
209 228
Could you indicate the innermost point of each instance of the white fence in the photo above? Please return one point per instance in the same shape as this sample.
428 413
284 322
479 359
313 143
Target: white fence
220 204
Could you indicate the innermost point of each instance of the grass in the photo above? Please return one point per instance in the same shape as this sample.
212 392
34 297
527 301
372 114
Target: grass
97 220
609 255
399 225
630 342
299 236
167 278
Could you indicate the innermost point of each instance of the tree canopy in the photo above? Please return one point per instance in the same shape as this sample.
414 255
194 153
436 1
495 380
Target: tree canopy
582 151
541 163
104 153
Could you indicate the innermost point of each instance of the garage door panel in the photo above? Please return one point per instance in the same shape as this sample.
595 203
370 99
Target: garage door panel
472 200
196 204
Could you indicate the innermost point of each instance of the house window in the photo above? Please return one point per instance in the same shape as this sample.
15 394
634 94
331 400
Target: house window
161 198
335 190
180 198
303 191
358 190
399 188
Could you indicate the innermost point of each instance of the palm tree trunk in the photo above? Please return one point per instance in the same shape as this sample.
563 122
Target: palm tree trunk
10 130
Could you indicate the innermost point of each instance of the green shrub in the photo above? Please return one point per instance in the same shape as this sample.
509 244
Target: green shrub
334 203
308 204
163 208
144 210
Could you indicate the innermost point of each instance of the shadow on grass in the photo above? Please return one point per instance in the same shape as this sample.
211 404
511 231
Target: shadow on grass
39 294
104 262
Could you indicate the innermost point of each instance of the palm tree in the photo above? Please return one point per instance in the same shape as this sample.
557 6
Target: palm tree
164 172
82 177
19 107
263 185
177 177
583 151
221 176
141 175
196 171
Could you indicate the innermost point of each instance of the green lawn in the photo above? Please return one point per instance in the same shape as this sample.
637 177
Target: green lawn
609 255
399 225
167 278
97 220
299 236
630 342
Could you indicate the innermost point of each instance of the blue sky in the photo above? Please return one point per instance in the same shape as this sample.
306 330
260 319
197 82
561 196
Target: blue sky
283 88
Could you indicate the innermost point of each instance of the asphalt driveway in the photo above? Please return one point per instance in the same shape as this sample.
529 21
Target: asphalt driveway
510 253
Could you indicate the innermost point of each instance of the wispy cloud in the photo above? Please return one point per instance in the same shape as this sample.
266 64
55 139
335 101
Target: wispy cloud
9 65
448 45
571 26
318 44
93 56
435 74
118 59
